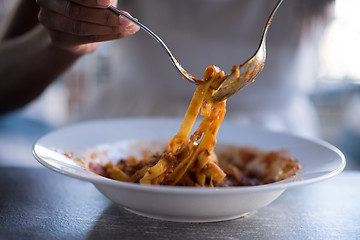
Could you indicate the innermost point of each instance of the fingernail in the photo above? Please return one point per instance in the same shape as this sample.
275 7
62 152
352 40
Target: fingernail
103 3
133 29
124 21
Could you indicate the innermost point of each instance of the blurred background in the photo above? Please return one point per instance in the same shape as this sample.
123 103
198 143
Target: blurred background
336 94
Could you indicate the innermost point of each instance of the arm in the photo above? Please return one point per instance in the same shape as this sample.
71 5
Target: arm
32 55
28 64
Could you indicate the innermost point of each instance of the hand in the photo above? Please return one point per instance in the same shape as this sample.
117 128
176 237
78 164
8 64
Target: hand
79 25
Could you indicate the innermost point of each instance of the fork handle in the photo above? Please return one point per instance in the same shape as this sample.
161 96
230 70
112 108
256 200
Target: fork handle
173 60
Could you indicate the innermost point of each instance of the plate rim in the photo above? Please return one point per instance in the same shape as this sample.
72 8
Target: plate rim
97 179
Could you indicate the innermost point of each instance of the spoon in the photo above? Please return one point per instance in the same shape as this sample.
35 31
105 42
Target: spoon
245 73
241 75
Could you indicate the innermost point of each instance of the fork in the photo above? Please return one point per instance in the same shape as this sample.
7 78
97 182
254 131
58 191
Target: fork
234 82
173 60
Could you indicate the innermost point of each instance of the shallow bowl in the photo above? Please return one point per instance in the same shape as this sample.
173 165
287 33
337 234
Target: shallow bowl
319 161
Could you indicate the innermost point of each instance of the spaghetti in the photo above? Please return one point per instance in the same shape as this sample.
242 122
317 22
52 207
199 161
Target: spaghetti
189 159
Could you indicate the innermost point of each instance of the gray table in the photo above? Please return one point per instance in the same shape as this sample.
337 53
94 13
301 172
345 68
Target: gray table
36 203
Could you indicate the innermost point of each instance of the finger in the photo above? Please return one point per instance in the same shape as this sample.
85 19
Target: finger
93 15
81 13
87 3
66 40
54 21
96 3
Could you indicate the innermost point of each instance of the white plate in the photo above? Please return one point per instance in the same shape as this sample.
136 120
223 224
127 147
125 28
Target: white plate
319 161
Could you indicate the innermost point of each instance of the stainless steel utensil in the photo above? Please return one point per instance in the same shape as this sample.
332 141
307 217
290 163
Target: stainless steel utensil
241 75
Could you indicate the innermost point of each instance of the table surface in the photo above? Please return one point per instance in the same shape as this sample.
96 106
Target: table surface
36 203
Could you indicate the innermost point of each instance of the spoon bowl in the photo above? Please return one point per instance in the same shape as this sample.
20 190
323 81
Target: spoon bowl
246 73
